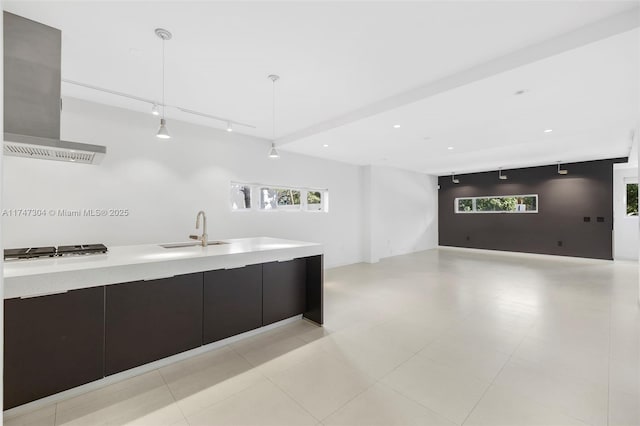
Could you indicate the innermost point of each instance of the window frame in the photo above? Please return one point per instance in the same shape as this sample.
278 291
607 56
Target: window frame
475 211
256 198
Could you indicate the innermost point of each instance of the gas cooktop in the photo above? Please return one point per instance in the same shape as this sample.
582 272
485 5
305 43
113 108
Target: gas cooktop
38 252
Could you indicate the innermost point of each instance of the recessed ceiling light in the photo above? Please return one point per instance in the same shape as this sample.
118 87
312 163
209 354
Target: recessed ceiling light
548 130
396 126
325 145
449 148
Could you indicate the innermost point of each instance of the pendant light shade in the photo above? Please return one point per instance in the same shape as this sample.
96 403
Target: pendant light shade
273 152
163 133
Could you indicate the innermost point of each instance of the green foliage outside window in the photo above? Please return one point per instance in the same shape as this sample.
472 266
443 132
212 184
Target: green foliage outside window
632 199
510 203
288 197
314 197
465 205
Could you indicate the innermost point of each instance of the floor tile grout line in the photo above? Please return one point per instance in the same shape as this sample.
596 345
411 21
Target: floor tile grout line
494 380
232 394
277 386
175 401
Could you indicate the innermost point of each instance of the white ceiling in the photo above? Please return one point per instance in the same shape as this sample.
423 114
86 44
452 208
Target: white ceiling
337 58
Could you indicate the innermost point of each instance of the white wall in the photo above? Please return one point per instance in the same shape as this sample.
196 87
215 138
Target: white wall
374 212
625 228
164 184
402 212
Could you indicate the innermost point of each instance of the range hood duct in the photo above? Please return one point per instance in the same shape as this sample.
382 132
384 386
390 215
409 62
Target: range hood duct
32 79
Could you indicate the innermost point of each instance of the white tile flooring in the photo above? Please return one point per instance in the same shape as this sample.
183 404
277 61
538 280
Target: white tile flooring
440 337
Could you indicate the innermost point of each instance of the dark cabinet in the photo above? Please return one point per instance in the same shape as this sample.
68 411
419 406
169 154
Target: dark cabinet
283 290
52 343
150 320
232 302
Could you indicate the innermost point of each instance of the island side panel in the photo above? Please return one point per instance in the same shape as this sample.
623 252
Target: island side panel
315 289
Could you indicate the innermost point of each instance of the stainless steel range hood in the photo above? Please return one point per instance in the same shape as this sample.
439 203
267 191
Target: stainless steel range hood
32 63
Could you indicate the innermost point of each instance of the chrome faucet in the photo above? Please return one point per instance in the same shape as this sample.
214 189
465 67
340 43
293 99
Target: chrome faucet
203 237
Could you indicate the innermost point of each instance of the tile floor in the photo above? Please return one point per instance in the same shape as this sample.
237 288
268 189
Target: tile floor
441 337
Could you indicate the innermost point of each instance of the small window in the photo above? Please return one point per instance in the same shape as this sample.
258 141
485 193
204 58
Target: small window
279 198
498 204
240 196
465 204
632 199
314 201
260 196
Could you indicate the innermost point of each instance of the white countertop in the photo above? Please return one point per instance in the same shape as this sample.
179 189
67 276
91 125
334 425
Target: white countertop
32 277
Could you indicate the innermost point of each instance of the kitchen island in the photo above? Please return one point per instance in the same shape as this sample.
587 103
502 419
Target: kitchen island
72 321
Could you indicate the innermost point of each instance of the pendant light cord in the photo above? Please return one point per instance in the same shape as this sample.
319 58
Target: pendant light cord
274 110
163 40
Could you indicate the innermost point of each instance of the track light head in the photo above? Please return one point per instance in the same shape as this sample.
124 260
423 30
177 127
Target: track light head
562 171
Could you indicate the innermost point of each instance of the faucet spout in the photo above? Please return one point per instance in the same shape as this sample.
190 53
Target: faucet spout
203 238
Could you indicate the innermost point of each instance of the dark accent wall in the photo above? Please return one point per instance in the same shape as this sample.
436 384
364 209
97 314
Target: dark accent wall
560 227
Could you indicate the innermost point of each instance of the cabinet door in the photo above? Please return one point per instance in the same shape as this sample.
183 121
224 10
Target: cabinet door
232 302
150 320
52 343
284 290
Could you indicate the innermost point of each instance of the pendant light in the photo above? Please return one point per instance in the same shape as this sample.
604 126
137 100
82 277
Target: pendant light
163 132
273 152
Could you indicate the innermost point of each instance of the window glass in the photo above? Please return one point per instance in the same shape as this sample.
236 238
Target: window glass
278 198
314 200
465 204
498 204
632 199
240 196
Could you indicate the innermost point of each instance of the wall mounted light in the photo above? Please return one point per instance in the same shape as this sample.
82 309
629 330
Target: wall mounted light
562 171
501 176
454 179
273 152
163 132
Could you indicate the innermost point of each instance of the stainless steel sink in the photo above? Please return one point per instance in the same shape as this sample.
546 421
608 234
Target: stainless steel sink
191 244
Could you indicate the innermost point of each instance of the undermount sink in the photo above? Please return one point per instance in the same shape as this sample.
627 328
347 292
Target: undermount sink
191 244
